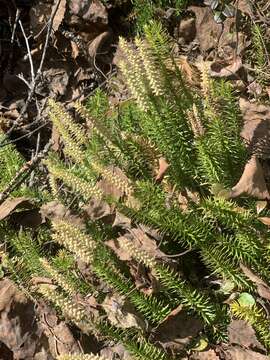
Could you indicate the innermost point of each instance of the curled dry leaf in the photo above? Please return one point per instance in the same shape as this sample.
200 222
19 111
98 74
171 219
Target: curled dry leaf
252 181
265 220
262 288
260 206
97 43
226 71
10 205
163 167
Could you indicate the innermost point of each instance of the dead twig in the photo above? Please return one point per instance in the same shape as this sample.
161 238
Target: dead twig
38 74
24 172
29 55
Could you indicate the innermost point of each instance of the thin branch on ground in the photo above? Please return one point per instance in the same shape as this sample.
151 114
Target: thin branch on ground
29 54
37 76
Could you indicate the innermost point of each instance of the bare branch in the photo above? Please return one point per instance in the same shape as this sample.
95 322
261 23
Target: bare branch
29 54
38 73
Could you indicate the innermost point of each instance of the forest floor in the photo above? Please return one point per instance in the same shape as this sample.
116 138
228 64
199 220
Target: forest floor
67 49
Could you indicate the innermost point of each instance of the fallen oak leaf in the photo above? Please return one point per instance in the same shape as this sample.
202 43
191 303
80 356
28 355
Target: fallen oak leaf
228 70
262 288
241 333
10 205
252 181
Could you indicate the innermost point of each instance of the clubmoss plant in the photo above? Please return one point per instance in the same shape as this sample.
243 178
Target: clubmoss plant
197 133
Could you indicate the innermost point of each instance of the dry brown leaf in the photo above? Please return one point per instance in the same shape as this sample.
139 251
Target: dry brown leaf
252 181
262 288
23 333
221 39
246 6
241 333
121 314
55 137
54 210
226 71
97 43
255 88
260 206
187 30
265 220
108 188
116 352
256 129
205 355
238 353
59 15
10 205
122 221
163 167
177 330
55 329
41 12
7 292
97 209
75 51
207 29
92 11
